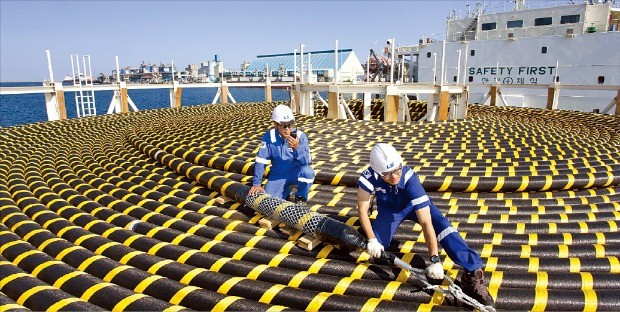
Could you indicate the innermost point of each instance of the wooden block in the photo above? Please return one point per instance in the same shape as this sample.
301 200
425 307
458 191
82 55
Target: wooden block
308 242
267 223
288 230
222 200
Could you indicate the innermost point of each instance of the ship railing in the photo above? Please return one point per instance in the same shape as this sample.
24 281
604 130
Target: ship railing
507 6
533 31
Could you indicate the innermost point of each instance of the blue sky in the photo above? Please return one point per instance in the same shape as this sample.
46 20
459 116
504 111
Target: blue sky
190 32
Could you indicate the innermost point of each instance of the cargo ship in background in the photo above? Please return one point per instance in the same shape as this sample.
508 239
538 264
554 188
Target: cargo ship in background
522 50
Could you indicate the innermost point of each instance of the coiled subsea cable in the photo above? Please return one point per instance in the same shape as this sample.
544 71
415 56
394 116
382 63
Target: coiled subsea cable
120 212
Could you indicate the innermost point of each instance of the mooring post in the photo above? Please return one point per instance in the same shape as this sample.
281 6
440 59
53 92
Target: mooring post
553 94
55 102
367 105
224 93
124 102
444 103
332 102
493 94
268 90
390 110
175 94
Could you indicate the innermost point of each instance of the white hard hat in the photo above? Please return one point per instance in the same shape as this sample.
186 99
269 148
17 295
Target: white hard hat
282 113
384 158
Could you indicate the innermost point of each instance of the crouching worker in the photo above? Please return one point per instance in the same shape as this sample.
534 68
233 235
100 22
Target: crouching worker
400 196
289 153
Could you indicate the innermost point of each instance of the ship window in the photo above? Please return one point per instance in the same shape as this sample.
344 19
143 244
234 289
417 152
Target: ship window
544 50
569 19
557 78
601 79
472 52
454 78
542 21
471 78
428 54
514 24
489 26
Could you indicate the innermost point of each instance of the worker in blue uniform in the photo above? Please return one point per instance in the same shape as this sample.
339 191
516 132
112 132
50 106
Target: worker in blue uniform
289 153
399 196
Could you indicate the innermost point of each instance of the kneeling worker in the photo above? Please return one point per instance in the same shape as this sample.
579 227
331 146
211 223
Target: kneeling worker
289 153
400 196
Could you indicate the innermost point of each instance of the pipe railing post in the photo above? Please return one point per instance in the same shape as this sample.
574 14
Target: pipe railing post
55 100
392 62
336 75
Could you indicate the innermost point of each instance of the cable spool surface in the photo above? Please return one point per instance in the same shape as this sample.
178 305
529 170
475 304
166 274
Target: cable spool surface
119 212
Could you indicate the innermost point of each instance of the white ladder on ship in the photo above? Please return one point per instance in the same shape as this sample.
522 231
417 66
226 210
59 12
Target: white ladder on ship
85 96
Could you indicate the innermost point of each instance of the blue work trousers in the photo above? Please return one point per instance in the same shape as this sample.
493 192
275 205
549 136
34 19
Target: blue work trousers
281 186
388 220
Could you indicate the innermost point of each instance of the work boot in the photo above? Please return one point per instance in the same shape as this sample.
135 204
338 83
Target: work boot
472 284
300 201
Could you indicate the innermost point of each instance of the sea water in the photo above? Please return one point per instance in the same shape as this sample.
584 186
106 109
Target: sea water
19 109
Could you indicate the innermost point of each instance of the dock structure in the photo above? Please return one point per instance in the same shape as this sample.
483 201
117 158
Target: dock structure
445 102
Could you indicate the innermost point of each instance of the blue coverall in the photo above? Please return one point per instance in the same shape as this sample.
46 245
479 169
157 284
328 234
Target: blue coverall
288 166
399 202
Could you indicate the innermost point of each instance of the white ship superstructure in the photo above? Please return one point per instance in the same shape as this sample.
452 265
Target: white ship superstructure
565 46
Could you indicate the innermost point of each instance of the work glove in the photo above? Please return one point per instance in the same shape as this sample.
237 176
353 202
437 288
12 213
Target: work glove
374 248
435 271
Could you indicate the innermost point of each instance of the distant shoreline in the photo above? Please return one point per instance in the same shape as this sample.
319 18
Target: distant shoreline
14 81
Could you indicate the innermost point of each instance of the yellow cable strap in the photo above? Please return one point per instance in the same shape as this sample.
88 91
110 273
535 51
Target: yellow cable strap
297 279
317 302
21 257
86 263
540 299
155 267
58 306
175 308
495 282
257 271
342 285
32 291
66 251
591 300
189 276
63 279
12 277
182 293
146 283
226 286
123 304
11 306
115 271
224 303
45 265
